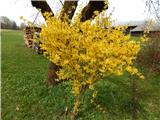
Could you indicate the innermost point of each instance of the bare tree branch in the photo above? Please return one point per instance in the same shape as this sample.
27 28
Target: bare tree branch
153 7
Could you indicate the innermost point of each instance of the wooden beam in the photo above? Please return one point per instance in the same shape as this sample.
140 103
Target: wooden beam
42 5
88 11
69 8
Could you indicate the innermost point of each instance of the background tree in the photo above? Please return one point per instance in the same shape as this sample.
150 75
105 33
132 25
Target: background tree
14 25
22 26
153 7
6 23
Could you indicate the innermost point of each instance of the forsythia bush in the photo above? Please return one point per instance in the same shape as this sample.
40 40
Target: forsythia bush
87 52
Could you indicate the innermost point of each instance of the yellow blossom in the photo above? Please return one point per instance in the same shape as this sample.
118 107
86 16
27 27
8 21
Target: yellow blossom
87 52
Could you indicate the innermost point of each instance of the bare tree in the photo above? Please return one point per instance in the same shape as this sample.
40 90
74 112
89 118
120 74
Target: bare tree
153 7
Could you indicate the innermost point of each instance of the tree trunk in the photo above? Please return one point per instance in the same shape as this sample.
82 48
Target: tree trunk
52 76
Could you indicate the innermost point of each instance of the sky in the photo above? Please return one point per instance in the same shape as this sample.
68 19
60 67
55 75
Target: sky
123 10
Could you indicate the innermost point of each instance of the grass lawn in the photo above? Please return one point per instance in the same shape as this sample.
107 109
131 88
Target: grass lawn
26 97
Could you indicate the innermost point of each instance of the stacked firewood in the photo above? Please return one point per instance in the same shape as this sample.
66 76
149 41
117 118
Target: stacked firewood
30 36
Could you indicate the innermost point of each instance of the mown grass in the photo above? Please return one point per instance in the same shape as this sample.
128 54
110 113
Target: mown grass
26 97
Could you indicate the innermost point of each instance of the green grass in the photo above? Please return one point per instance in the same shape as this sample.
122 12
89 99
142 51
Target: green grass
26 97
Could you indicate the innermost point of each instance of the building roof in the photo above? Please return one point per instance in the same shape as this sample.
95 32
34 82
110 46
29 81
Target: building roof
141 28
129 23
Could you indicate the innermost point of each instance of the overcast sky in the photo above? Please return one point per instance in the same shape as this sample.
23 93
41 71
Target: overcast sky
125 10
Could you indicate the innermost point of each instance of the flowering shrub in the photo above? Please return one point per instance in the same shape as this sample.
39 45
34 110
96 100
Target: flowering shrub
88 52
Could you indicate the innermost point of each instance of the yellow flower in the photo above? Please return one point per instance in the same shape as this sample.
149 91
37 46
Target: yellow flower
94 95
142 77
87 52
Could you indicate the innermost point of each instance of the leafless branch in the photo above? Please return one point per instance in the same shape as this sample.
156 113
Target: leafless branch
61 2
153 7
36 18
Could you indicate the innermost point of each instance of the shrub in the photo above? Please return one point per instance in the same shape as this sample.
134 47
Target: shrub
88 52
149 55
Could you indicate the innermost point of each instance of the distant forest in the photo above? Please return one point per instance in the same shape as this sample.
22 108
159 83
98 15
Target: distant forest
7 23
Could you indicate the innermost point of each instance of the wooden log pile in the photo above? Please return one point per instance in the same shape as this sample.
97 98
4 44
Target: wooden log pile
29 34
